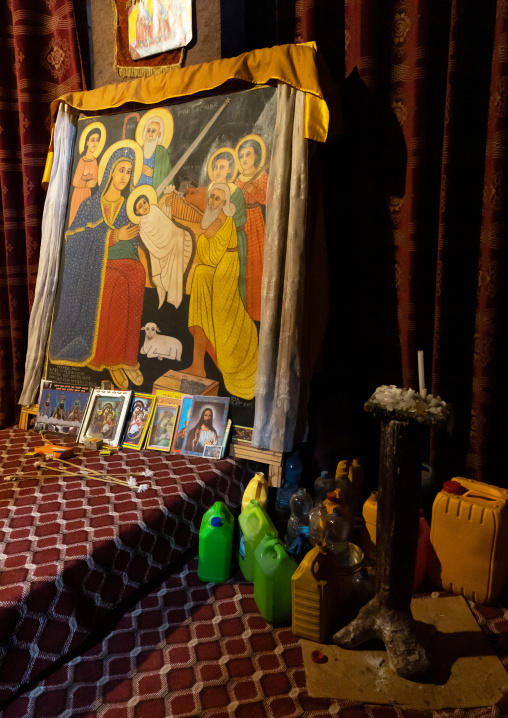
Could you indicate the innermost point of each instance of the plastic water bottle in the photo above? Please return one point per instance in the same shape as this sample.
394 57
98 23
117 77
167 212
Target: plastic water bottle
322 485
342 481
317 522
363 587
336 533
300 504
292 477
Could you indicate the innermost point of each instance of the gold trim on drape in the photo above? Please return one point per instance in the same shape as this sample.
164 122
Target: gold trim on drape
294 65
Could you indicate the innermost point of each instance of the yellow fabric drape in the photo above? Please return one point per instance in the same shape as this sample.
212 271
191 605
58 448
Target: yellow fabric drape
294 65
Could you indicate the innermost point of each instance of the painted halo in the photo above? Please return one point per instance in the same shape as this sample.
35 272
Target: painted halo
138 165
233 154
86 134
262 144
167 119
136 193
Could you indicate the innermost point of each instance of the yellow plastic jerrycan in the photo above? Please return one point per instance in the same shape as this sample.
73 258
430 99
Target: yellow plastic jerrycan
336 498
369 513
257 488
469 539
356 479
314 588
253 523
273 569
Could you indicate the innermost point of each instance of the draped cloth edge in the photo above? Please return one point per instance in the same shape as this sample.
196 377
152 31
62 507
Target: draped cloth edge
279 371
49 261
294 65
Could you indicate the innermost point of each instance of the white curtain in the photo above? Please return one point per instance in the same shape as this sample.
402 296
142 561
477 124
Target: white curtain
279 373
49 260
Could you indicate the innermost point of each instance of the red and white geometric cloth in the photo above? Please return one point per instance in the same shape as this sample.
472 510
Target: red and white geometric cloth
73 549
194 650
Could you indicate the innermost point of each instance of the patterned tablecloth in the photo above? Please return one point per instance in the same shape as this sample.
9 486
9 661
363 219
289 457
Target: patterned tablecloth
75 552
197 650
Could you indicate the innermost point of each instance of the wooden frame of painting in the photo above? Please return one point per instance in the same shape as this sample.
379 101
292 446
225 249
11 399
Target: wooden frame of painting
164 420
138 420
105 416
208 418
61 408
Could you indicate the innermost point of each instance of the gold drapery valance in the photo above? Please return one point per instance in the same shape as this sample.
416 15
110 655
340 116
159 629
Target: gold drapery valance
294 65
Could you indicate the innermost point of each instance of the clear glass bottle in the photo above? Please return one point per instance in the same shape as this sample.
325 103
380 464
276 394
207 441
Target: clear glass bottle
336 533
300 504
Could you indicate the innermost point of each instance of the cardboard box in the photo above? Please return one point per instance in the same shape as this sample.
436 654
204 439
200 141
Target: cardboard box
186 384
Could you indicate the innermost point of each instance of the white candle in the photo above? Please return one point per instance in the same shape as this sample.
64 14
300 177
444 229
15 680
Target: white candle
421 375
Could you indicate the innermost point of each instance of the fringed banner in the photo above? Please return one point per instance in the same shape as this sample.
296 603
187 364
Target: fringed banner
124 63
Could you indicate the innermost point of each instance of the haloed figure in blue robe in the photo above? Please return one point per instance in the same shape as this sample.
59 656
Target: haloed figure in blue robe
98 313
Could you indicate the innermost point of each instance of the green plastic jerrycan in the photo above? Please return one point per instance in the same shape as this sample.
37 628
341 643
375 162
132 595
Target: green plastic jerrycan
273 570
254 522
216 544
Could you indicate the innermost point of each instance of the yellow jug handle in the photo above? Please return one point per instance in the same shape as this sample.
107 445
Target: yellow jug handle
487 489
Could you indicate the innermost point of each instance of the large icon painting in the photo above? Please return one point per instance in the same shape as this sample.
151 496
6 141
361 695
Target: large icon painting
164 247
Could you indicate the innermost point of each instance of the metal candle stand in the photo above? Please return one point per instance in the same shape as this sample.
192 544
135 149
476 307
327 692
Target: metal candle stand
388 615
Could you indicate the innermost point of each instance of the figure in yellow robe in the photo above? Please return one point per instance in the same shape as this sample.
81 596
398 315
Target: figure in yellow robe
218 319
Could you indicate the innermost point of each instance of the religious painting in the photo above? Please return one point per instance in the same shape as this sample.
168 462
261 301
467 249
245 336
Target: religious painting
105 416
157 26
163 249
61 408
163 424
206 426
212 452
138 420
182 423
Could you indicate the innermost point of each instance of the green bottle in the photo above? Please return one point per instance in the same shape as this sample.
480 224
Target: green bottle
254 522
273 570
216 544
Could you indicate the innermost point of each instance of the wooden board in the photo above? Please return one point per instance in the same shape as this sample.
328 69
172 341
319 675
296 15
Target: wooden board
273 459
465 671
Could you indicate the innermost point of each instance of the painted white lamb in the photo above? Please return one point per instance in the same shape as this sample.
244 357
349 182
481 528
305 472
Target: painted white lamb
158 345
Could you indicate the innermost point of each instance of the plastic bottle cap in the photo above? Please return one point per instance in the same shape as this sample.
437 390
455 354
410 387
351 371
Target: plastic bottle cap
336 511
331 496
216 521
319 657
324 474
453 487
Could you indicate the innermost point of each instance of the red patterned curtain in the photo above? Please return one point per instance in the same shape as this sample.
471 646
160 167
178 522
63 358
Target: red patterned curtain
40 60
442 69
